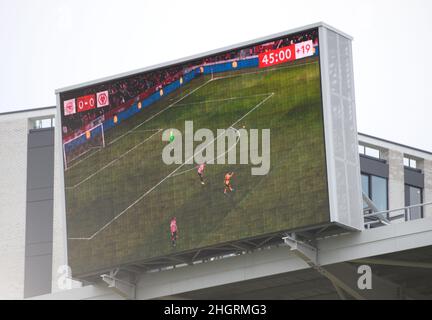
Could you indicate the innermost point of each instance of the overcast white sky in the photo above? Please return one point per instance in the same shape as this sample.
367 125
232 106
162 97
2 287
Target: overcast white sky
48 44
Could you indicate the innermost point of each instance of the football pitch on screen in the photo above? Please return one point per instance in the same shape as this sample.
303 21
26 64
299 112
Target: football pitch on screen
120 198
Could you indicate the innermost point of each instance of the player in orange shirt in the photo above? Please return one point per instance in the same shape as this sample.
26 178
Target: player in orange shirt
228 186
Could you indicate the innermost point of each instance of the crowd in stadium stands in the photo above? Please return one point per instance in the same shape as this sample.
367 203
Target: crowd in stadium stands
313 35
123 92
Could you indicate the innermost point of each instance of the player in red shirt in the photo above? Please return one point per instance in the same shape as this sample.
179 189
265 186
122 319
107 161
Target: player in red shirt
174 231
227 180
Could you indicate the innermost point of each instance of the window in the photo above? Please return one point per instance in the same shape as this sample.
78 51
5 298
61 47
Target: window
378 192
365 187
376 188
372 152
410 163
43 123
413 196
369 151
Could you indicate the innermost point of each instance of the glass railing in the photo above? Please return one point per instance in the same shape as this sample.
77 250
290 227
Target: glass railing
381 218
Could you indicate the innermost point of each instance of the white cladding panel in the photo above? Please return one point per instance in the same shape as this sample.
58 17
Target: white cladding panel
14 128
13 181
343 163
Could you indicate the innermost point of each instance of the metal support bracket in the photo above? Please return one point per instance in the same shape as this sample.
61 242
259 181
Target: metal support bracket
309 254
124 288
372 207
303 250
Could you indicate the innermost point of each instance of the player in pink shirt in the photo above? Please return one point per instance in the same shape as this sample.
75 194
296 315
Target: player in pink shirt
174 230
201 168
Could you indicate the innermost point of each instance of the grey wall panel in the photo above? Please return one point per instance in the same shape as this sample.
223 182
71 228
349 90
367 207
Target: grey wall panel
40 138
39 194
414 178
39 216
40 170
39 213
374 167
38 269
39 249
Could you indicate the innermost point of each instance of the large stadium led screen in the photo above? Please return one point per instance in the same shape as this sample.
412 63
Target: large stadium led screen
208 151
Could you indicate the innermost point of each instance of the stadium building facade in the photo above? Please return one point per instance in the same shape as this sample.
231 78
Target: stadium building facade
393 242
397 178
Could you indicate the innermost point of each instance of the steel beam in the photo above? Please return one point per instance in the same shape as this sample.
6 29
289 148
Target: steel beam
123 288
396 263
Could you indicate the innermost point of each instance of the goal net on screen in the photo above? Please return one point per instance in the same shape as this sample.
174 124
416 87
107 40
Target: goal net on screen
80 147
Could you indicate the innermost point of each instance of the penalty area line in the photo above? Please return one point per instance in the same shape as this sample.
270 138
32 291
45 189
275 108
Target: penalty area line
101 148
158 113
85 158
264 71
114 161
222 100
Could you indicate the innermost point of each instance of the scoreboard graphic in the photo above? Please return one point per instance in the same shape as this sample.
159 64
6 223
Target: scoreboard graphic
286 54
